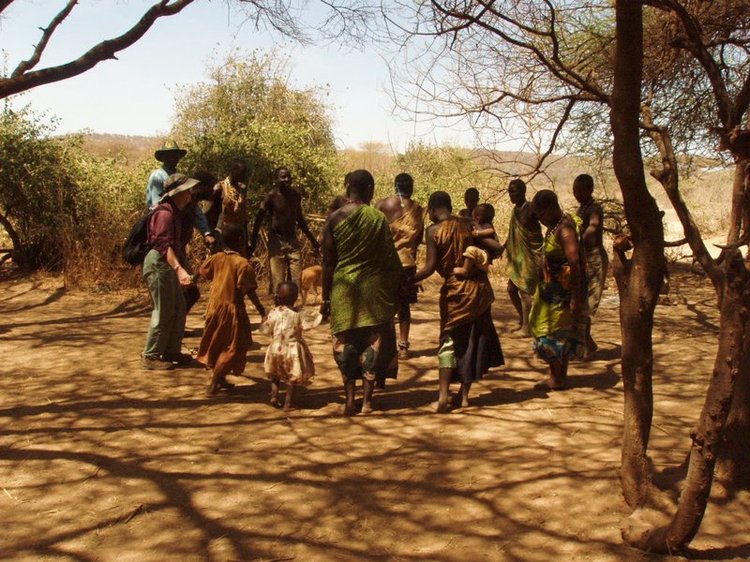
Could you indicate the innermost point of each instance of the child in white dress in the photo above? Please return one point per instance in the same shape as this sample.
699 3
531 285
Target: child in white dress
288 358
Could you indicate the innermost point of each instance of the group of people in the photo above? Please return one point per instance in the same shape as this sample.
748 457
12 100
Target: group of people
369 277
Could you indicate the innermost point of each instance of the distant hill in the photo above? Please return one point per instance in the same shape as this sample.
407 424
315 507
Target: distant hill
131 150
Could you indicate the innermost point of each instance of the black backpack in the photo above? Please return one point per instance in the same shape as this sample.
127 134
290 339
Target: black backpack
136 246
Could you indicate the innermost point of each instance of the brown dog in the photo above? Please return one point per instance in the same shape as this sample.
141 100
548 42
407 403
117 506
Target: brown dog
311 279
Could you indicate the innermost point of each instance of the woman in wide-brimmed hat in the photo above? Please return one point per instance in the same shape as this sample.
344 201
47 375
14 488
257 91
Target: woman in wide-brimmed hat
166 277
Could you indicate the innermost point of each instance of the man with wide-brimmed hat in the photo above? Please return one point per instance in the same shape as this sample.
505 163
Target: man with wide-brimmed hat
166 277
170 155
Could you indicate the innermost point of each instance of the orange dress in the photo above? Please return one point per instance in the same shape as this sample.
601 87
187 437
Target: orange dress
226 337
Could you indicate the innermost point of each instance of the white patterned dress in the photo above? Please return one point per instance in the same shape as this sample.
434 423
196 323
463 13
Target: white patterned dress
288 359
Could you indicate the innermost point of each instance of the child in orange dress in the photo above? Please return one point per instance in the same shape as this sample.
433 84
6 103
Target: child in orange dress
288 358
226 337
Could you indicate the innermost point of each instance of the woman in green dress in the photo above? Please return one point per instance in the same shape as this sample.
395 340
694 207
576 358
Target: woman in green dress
556 319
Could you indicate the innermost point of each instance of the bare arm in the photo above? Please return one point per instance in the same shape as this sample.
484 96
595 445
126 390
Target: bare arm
253 296
488 232
303 225
256 229
491 245
590 236
568 239
465 270
182 276
330 259
430 264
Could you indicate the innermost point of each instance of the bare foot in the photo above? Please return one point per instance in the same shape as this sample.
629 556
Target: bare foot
465 402
550 384
442 407
289 408
212 391
367 408
274 401
349 410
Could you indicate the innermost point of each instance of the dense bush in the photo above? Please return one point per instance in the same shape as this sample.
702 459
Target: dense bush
36 192
248 111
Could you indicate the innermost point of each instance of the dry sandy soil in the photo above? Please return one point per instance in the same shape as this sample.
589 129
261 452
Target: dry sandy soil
100 460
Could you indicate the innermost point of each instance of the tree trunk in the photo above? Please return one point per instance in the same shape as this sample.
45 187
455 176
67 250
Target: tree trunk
708 437
639 288
18 249
733 470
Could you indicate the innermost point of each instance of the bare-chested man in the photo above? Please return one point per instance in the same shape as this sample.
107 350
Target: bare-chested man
406 222
283 205
524 252
596 260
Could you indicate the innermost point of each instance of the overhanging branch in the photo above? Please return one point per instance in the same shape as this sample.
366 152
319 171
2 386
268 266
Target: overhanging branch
107 49
25 66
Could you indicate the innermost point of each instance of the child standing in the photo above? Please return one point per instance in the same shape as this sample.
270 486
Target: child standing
486 245
226 337
288 358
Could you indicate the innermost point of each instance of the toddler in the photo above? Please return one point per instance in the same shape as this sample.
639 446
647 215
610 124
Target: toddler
486 248
288 358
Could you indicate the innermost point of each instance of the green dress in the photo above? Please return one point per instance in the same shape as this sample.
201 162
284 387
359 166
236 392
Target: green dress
557 333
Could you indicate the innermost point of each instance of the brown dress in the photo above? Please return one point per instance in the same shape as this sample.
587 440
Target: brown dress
226 336
468 341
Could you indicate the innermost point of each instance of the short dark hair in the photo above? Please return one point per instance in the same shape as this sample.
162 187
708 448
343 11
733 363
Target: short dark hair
204 189
517 184
361 185
486 212
440 200
232 234
544 199
585 181
287 292
237 165
473 191
277 171
404 184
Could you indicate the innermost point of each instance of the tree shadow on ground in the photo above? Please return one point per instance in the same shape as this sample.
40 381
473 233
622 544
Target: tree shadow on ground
97 456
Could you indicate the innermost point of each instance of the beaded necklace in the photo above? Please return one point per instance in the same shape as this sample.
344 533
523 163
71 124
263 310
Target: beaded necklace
551 231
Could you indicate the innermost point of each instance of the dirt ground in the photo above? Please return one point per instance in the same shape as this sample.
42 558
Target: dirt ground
100 460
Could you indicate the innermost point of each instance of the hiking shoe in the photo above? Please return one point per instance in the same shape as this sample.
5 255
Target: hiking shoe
181 359
156 364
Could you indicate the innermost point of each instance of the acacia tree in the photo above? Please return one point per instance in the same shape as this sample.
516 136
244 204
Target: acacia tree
497 61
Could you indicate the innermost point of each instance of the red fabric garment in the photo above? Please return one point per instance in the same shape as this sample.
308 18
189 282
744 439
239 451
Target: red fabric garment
164 228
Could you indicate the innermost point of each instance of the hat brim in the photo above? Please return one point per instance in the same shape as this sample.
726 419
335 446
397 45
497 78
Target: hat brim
160 154
188 184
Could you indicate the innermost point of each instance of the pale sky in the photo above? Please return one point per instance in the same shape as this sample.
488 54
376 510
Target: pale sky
134 95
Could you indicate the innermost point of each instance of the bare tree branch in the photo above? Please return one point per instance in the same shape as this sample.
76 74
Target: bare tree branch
4 4
668 177
100 52
693 42
47 32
